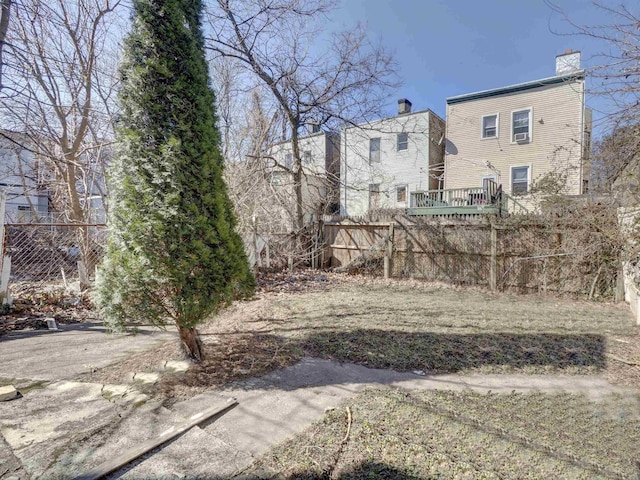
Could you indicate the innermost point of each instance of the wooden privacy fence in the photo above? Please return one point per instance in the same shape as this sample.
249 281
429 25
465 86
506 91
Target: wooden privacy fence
446 252
526 258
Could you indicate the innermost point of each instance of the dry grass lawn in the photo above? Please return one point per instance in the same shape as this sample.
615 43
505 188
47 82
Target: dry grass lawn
407 325
403 325
394 434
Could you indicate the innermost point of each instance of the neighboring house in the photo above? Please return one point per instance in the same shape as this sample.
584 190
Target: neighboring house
520 134
24 179
31 184
320 155
382 162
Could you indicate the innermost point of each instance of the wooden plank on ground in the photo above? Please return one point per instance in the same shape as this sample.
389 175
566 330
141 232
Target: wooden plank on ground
122 460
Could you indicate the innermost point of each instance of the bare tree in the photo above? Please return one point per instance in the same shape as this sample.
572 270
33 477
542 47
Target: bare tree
615 79
615 72
274 40
613 154
58 96
5 13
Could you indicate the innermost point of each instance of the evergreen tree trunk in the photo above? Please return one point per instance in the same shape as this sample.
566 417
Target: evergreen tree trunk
191 342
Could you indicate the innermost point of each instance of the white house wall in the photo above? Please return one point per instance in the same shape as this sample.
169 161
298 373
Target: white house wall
315 144
316 184
18 175
408 167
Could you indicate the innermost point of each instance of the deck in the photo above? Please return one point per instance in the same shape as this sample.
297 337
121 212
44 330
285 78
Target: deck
489 200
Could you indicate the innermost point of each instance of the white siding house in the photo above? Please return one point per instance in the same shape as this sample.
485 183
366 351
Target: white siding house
22 177
382 162
320 156
34 194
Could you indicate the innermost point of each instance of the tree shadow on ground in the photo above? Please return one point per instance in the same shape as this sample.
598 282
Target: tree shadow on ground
454 352
366 470
244 356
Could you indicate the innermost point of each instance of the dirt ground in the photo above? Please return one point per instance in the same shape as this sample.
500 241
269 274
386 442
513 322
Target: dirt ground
34 302
402 325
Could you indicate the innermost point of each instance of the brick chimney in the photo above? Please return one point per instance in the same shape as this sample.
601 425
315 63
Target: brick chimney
567 62
404 106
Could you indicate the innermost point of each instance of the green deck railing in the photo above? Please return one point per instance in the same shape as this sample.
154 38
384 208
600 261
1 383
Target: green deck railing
462 201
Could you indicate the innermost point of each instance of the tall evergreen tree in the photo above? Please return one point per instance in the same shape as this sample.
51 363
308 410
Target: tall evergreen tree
173 252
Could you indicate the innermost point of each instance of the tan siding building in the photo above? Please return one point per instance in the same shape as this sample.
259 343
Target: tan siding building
519 134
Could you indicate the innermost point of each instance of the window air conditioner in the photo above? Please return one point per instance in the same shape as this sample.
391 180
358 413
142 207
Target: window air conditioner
521 137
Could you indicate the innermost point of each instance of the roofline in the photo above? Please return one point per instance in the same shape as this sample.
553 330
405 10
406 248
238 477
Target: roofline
518 87
426 110
303 137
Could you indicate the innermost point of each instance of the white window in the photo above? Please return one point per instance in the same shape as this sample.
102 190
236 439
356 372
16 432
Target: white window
403 141
521 126
490 126
401 194
288 160
374 150
306 157
519 180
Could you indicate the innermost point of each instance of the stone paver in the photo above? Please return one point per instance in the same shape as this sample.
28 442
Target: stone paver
7 393
176 366
145 378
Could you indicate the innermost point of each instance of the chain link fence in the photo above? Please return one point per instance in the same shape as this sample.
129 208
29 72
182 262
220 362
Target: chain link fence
54 253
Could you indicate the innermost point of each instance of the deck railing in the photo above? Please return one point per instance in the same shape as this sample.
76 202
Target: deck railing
491 193
455 197
476 200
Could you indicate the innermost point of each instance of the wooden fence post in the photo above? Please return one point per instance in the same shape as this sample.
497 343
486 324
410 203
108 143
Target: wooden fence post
493 263
290 254
256 249
267 253
619 294
388 254
83 275
5 296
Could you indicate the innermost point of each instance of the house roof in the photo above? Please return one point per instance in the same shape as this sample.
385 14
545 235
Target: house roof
518 87
304 137
404 115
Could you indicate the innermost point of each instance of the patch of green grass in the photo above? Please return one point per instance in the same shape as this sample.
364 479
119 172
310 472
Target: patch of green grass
444 434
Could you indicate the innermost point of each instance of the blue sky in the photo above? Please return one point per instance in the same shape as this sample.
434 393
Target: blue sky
446 48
